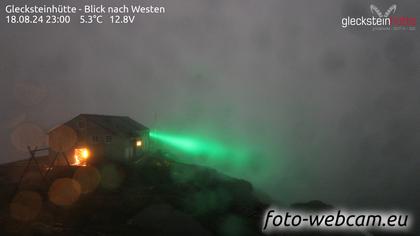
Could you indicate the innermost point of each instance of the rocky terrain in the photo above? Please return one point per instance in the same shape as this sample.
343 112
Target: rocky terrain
152 196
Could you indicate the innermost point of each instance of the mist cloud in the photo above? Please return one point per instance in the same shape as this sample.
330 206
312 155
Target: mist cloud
332 113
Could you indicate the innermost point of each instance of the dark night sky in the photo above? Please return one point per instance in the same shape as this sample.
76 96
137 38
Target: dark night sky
333 112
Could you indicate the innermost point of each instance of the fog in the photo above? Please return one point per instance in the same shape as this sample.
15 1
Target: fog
324 112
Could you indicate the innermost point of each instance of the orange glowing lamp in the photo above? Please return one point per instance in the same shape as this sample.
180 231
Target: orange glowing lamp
81 155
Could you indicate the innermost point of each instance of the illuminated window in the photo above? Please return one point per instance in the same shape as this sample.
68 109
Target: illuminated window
139 143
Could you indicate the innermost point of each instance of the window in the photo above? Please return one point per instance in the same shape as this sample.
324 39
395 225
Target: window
108 139
95 139
139 143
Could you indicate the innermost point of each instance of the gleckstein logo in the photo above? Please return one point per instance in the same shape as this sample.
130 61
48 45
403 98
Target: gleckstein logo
380 21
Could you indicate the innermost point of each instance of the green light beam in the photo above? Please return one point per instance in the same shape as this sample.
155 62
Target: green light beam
190 145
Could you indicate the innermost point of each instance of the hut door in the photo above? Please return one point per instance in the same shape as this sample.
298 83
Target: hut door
129 153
